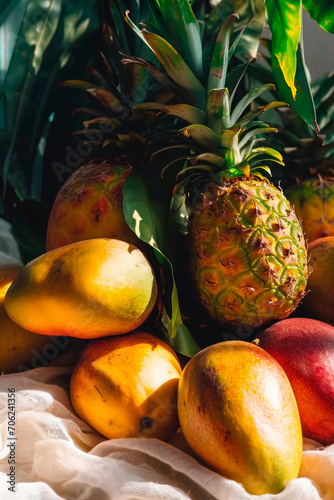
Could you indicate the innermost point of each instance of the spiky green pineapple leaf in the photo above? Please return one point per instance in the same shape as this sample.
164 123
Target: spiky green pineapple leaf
210 158
220 57
247 100
251 115
176 161
183 29
235 76
183 111
177 69
146 215
77 84
239 170
107 99
218 109
265 129
251 13
159 75
203 135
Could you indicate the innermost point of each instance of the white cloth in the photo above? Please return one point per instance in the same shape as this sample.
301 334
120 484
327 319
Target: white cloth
9 251
58 456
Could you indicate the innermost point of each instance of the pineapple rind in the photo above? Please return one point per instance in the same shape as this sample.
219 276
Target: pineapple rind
90 205
248 258
313 201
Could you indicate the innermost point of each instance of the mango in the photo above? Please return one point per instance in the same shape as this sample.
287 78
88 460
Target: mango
87 289
305 349
20 349
238 413
126 386
319 302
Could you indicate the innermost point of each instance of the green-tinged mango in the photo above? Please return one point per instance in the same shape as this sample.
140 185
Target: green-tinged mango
239 414
88 289
22 350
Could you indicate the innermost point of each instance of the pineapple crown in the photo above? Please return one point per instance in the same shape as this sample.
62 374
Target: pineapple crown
221 136
115 87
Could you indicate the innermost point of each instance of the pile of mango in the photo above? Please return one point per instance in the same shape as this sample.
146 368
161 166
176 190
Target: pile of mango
243 407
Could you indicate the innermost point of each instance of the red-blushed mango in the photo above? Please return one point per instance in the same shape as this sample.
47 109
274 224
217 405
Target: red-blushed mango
305 349
88 289
126 386
239 414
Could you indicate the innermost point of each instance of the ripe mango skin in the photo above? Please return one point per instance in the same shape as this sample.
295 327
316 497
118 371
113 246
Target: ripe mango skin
88 289
126 386
20 349
305 349
239 414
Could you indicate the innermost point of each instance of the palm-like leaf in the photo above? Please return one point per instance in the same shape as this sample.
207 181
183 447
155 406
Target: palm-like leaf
43 48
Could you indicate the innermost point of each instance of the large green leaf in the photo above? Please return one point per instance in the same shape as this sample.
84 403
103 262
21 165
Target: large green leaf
284 17
322 11
46 39
146 214
303 102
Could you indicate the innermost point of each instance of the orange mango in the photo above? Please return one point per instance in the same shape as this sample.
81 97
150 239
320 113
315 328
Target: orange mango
238 413
126 386
88 289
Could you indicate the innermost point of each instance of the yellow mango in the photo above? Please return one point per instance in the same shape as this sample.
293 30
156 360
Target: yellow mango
126 386
88 289
20 349
238 412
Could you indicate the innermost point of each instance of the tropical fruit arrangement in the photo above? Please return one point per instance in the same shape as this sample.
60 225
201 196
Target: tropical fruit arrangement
172 262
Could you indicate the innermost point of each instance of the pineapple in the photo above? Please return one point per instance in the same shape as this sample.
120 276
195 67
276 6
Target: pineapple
90 205
247 253
313 201
310 159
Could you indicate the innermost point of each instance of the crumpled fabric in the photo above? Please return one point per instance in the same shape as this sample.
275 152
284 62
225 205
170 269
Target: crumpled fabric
58 456
9 250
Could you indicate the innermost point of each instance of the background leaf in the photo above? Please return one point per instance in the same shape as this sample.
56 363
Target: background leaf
321 11
47 38
249 11
284 19
303 103
146 215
